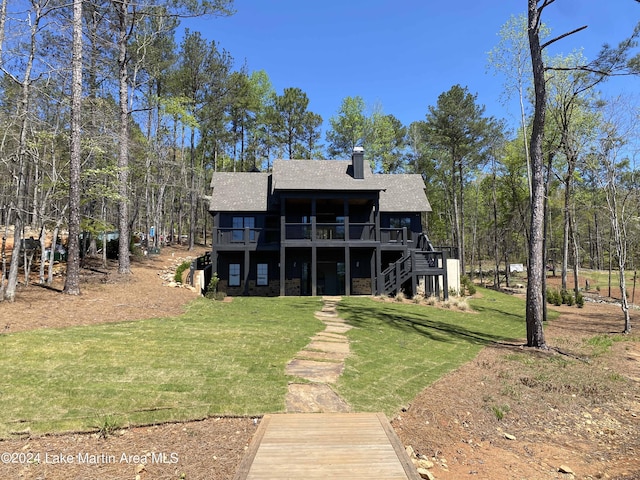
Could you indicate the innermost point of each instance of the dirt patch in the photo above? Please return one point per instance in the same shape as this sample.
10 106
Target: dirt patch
513 413
509 414
106 296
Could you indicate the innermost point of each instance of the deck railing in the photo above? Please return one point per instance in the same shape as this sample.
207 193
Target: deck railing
365 232
231 236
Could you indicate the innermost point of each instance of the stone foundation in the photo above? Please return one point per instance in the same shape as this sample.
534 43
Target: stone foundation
292 287
361 286
223 286
271 290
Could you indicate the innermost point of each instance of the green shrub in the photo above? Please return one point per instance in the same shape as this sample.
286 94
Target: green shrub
554 297
212 288
180 270
557 298
467 286
580 300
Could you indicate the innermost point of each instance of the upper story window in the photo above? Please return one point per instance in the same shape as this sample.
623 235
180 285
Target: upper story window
400 222
396 224
239 224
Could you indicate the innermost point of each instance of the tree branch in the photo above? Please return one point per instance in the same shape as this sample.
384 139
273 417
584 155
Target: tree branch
553 40
546 3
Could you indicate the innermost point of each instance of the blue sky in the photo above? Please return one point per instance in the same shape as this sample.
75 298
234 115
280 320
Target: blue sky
400 54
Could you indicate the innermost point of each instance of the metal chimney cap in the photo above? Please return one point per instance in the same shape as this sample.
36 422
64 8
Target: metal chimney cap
358 150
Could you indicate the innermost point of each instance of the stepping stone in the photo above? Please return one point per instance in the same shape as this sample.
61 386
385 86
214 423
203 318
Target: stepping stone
320 362
321 315
327 356
337 328
329 337
336 322
314 398
337 347
325 372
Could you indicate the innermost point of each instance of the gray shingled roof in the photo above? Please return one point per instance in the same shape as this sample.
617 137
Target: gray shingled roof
319 175
250 191
240 191
403 193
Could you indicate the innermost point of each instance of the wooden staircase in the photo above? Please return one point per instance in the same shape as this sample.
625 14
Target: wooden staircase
424 261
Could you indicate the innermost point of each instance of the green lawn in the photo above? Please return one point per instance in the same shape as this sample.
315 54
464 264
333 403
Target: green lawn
218 358
229 358
401 348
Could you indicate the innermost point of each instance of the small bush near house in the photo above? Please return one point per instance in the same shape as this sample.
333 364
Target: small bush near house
180 270
471 288
467 285
212 288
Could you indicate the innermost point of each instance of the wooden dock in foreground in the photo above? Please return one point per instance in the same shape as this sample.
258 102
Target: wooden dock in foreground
326 445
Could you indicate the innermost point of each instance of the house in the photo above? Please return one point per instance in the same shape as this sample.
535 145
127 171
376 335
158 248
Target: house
322 227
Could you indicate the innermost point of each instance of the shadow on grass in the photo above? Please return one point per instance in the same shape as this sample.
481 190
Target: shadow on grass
426 324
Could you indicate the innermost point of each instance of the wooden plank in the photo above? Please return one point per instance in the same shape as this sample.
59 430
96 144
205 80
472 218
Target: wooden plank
247 460
320 446
401 452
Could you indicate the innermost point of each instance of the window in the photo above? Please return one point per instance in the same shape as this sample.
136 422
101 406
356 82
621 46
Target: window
239 224
397 224
400 222
234 274
263 274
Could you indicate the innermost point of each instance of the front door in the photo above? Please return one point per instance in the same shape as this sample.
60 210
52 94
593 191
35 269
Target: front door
331 278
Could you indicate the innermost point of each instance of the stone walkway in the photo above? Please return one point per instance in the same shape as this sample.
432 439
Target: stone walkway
320 363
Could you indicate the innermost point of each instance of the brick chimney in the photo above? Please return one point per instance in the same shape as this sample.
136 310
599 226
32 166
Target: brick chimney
357 162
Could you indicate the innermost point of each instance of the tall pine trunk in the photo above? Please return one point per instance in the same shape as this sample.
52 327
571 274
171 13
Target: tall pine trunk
72 281
536 271
124 263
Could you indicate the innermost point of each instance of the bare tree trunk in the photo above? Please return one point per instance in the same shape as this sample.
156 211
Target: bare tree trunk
54 242
565 234
619 239
72 281
457 235
535 294
193 199
496 252
599 248
3 19
463 265
3 270
43 254
124 263
576 257
23 114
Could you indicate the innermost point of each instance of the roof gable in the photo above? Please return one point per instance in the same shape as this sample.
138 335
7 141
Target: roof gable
252 192
240 191
320 175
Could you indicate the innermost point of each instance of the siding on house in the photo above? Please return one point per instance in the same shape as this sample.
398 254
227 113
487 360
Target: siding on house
312 227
